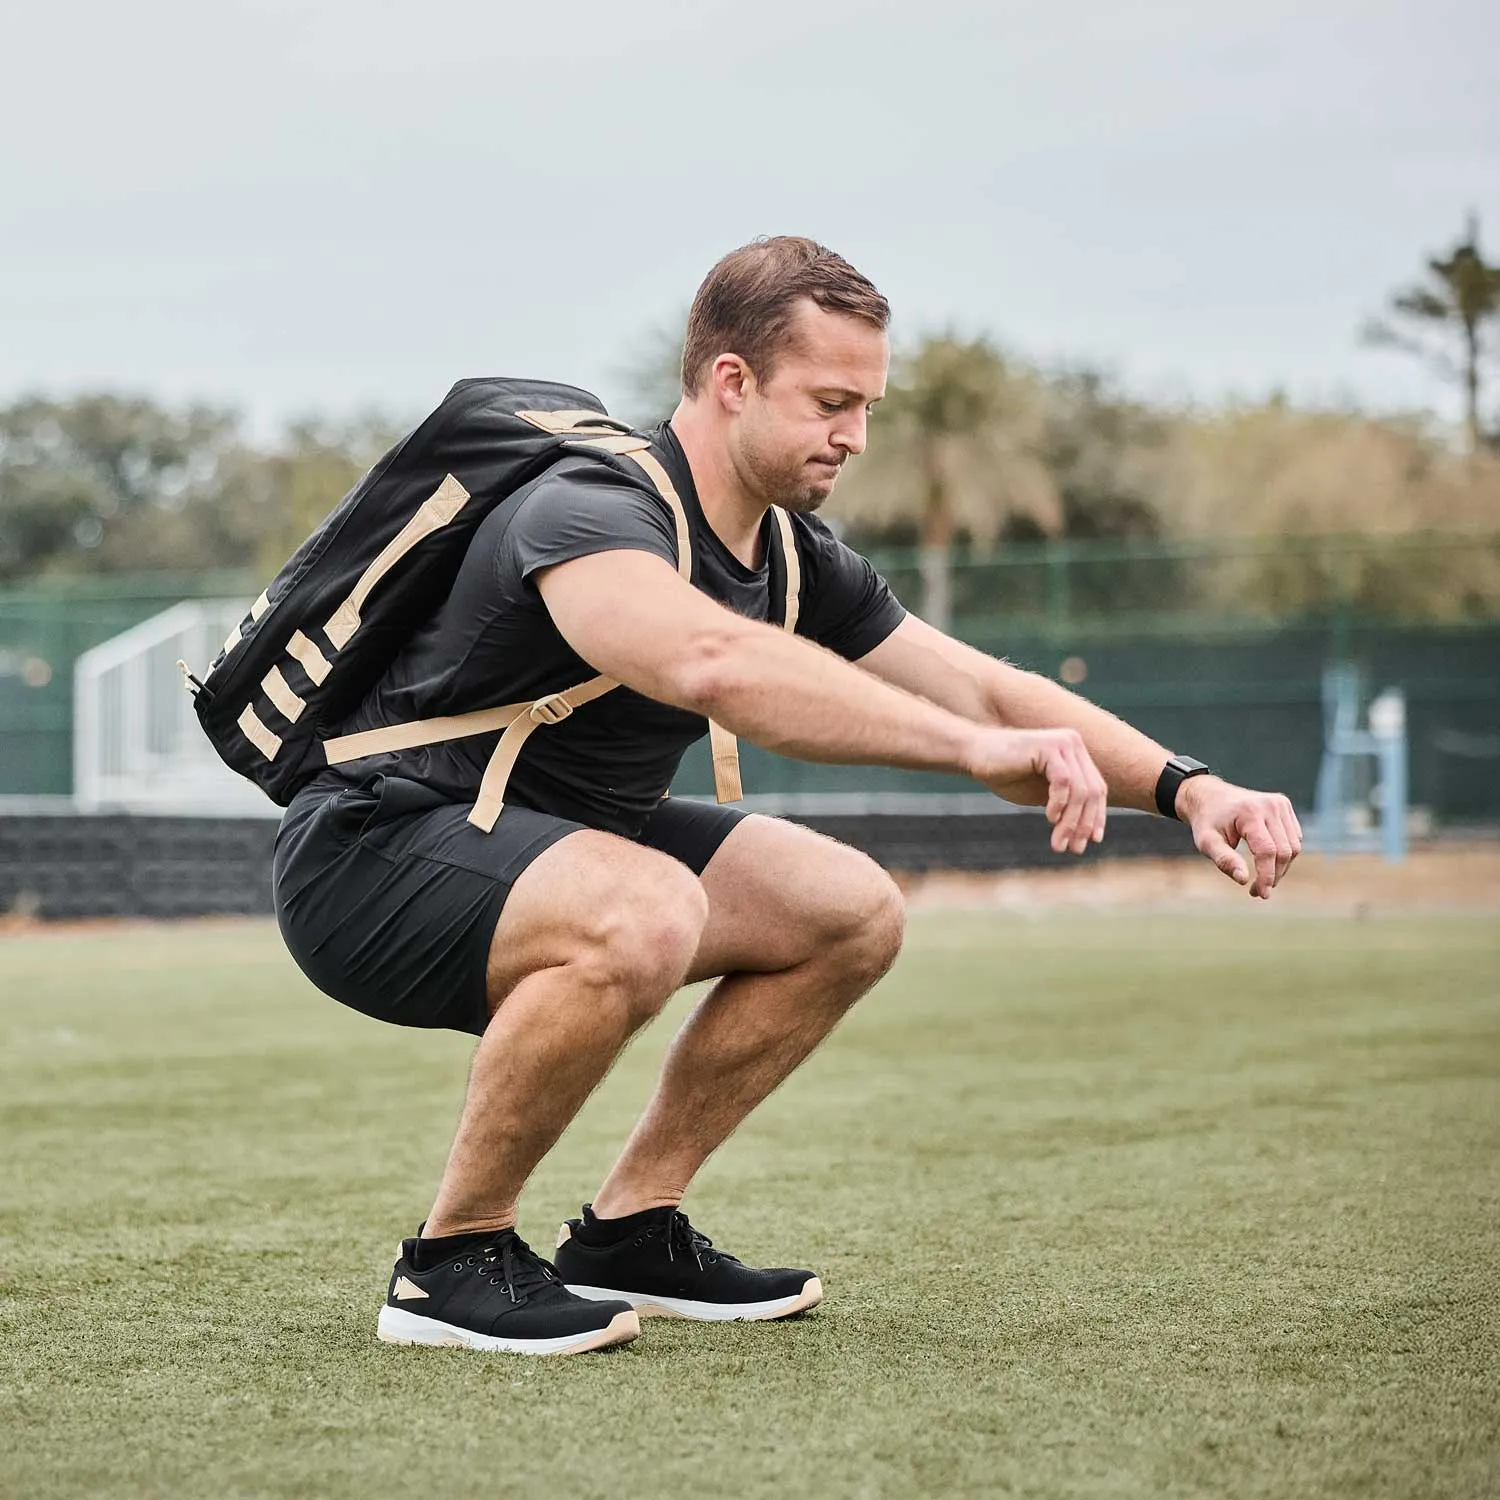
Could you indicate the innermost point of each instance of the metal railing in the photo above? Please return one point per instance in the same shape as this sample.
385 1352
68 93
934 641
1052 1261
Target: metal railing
137 744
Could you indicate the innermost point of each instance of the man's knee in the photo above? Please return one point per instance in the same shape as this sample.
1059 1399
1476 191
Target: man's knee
859 923
875 920
637 943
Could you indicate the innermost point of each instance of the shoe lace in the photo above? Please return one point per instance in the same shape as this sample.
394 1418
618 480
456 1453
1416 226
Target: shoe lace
683 1239
512 1263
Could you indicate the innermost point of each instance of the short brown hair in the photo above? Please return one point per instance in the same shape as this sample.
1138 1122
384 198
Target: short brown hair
746 303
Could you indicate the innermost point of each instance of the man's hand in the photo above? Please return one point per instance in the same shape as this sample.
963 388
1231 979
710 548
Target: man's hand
1221 815
1051 766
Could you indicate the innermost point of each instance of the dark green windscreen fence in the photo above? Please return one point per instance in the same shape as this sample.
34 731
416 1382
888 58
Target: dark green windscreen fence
1217 649
43 632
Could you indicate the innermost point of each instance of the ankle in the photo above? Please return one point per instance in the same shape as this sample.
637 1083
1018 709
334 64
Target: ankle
624 1204
447 1226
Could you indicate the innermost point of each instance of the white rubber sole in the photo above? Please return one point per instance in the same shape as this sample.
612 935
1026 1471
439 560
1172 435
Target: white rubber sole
397 1326
708 1312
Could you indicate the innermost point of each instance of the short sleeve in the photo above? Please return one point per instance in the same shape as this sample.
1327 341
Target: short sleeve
582 508
845 604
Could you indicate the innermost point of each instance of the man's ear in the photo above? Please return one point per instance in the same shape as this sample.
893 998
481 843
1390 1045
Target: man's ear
733 381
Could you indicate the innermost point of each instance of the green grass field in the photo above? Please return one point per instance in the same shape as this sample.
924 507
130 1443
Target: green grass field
1104 1207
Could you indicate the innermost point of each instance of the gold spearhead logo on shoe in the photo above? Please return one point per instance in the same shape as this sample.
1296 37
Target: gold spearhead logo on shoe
405 1290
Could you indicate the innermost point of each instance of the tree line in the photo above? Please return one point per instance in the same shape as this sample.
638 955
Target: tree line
971 447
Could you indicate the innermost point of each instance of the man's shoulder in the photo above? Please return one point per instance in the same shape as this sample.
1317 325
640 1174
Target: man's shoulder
590 471
592 484
580 505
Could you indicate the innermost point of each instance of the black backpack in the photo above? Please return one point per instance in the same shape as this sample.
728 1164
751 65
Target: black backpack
325 629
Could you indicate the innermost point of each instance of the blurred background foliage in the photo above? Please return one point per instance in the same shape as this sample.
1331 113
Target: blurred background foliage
975 454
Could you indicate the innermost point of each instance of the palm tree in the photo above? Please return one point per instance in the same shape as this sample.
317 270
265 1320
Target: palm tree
1460 295
955 448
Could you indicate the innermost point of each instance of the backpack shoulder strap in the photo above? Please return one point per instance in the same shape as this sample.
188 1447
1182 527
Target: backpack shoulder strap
518 721
791 565
722 745
725 748
638 451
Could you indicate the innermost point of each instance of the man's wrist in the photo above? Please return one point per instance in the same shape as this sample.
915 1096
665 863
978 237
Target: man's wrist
976 752
1192 792
1176 771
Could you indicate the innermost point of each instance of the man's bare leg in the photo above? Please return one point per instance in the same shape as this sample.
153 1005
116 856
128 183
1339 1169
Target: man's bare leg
801 927
596 936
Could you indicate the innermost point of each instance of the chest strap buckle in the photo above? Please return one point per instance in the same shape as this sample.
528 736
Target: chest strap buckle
552 709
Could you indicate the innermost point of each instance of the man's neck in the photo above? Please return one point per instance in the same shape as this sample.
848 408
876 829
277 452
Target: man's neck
733 513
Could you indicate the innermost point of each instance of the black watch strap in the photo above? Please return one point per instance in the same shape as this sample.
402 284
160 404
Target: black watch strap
1174 773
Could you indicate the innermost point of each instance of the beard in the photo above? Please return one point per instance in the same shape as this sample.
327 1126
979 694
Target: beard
781 478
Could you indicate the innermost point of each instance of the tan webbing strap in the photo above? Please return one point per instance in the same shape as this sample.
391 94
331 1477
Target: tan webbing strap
517 721
313 662
647 462
636 450
722 744
435 512
725 749
253 727
576 423
792 564
279 691
552 709
420 732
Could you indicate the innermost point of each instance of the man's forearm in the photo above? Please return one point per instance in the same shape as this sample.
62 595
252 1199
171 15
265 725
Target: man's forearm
1130 761
800 700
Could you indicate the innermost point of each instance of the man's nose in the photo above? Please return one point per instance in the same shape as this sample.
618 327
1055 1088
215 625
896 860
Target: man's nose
851 433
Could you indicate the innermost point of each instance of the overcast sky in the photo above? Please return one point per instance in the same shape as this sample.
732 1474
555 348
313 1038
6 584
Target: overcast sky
291 205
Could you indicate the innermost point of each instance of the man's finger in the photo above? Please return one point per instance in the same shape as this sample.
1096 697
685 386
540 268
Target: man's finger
1216 847
1095 801
1292 828
1286 848
1066 831
1091 825
1262 845
1057 795
1293 824
1086 794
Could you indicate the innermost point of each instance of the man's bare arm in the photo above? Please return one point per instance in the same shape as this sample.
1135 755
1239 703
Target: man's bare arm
923 660
632 618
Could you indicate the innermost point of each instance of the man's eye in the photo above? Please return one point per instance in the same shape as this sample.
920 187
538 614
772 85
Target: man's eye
828 408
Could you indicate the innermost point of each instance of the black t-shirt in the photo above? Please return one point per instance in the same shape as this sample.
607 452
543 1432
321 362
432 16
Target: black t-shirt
492 641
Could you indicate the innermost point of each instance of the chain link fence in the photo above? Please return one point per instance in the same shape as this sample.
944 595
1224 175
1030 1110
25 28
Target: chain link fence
1215 648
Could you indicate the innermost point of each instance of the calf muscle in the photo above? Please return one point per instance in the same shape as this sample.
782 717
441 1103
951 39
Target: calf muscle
801 927
595 938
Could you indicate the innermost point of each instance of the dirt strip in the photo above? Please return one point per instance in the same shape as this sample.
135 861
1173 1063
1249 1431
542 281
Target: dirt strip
1464 878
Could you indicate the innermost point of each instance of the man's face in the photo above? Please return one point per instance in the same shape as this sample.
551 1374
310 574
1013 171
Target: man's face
797 429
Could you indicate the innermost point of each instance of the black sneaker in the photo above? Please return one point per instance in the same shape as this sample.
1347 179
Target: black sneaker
665 1268
500 1296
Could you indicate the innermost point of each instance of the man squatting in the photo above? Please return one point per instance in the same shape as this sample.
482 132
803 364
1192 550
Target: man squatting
595 898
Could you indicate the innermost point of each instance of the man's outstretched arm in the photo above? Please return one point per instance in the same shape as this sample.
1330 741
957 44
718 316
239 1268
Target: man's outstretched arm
923 660
630 617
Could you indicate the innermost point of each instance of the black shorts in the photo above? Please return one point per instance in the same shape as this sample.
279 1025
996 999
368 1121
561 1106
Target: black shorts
387 896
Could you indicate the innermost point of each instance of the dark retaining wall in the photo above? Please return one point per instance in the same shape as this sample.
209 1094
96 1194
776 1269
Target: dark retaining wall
60 866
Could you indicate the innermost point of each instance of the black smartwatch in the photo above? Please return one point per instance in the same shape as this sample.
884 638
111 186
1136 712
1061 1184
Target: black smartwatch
1174 773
